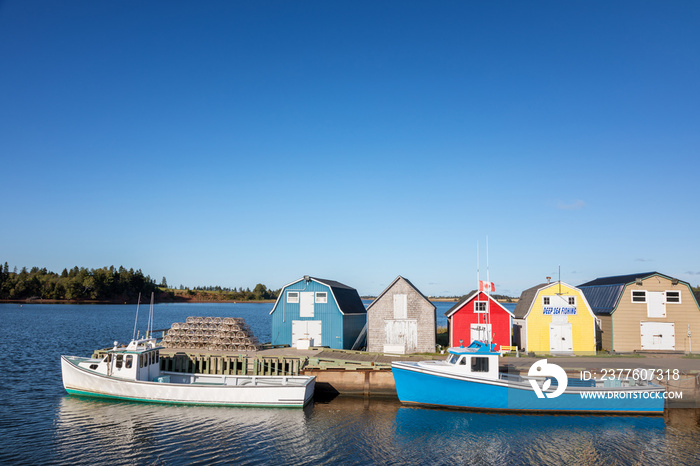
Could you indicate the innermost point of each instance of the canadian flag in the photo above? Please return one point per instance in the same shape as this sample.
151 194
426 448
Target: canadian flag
486 286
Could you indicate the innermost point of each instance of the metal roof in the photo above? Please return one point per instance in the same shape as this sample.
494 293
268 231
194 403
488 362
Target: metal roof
602 298
604 293
619 279
346 297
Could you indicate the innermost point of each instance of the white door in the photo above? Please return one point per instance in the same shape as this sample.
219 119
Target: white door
306 329
480 332
560 338
658 336
400 306
401 333
306 304
656 304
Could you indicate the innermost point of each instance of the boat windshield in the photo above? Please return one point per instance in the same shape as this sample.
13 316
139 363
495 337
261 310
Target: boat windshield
452 358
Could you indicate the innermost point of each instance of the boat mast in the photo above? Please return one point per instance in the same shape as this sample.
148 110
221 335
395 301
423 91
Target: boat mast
149 329
478 289
133 337
488 297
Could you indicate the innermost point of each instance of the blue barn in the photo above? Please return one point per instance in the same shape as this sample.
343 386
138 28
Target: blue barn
326 312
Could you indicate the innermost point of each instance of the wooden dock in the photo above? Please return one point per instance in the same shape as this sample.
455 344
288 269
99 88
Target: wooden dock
369 374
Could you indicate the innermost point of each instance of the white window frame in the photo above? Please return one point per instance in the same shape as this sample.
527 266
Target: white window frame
677 292
636 301
292 297
321 297
546 301
477 304
569 300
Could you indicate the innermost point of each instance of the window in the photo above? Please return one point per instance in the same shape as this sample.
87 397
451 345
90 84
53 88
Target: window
141 360
463 361
480 364
292 296
321 297
120 360
639 296
129 362
673 296
572 300
157 356
480 306
545 300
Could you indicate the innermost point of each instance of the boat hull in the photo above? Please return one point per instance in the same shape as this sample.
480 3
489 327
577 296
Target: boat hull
416 385
200 389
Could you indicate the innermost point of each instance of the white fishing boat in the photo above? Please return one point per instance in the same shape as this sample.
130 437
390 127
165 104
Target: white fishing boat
133 373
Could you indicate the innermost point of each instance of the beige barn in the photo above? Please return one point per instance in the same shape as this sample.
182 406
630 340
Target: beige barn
401 320
645 312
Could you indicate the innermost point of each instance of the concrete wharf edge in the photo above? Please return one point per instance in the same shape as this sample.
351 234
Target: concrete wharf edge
369 374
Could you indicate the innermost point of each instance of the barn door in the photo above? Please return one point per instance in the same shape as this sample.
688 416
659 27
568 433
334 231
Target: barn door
560 338
306 304
401 333
306 329
658 336
656 304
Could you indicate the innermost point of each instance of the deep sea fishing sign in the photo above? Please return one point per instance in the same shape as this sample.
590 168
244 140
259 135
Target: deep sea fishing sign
559 310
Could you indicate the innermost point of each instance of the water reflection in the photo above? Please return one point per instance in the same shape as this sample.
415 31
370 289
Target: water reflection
481 438
348 430
89 430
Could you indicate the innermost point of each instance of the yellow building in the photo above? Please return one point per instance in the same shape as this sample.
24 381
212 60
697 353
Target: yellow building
553 318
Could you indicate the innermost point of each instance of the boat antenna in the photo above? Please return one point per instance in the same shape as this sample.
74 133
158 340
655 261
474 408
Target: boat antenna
133 336
560 279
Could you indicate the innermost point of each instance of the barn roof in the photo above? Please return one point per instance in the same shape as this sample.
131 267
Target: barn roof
347 298
619 279
604 293
392 284
526 299
468 297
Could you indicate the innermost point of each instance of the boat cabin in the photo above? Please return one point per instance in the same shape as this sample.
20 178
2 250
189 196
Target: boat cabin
139 360
477 360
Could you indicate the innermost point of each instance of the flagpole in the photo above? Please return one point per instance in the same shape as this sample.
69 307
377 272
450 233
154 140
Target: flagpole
488 298
478 282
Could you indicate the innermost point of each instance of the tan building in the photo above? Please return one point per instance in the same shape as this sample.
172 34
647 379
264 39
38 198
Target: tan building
401 320
645 312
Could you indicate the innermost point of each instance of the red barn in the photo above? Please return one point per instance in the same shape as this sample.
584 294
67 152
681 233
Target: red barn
467 320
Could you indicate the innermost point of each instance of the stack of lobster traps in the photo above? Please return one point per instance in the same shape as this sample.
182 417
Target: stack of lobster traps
211 333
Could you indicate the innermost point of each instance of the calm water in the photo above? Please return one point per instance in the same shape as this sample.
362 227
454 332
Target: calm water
40 423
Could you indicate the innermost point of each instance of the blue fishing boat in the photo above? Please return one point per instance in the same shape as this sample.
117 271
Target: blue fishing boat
470 379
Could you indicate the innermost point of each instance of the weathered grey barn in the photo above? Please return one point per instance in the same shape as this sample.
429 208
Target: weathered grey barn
401 320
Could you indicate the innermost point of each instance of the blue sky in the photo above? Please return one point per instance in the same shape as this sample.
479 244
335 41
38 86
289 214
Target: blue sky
234 143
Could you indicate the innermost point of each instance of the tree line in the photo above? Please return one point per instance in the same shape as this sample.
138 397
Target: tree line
204 293
107 284
78 283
